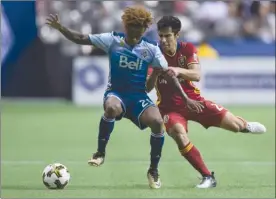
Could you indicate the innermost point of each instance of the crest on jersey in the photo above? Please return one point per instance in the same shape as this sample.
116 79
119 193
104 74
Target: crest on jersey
181 61
122 43
144 54
166 119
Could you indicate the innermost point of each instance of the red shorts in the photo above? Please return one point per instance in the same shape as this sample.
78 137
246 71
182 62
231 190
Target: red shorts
211 115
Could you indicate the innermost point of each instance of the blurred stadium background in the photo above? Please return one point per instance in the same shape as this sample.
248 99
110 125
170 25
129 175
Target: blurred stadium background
52 92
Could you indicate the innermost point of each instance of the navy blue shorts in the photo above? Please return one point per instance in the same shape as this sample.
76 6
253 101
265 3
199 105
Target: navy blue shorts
133 106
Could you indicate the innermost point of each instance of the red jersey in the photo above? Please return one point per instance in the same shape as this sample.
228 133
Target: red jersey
167 93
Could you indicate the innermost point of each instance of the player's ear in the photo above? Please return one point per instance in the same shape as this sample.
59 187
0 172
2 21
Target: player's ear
177 35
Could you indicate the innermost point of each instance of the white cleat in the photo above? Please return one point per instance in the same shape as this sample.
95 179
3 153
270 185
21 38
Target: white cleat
255 128
153 178
97 159
207 182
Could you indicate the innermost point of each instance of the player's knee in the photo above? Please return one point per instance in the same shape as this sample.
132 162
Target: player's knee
176 133
156 124
179 136
172 132
112 110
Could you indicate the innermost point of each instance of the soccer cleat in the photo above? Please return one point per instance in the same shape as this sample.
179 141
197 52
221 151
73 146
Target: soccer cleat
153 178
97 159
255 128
207 182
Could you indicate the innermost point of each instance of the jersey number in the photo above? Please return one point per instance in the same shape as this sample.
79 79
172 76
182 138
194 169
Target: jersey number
145 102
217 107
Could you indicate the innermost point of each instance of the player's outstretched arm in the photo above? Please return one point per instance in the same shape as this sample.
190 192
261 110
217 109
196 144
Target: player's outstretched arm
74 36
161 64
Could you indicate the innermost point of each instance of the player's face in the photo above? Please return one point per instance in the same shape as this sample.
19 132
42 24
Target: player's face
134 33
168 39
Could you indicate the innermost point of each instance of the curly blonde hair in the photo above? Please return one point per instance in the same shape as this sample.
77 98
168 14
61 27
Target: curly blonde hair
137 15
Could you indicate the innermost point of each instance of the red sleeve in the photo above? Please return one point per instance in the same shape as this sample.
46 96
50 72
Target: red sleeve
191 54
150 69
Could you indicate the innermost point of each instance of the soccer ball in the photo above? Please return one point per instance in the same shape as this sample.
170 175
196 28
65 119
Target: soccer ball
55 176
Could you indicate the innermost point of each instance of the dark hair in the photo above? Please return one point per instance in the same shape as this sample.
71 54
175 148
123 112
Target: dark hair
169 22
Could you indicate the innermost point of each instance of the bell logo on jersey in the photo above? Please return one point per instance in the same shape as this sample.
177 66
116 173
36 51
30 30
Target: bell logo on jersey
124 63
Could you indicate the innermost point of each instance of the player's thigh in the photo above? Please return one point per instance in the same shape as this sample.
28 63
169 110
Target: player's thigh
113 105
212 115
143 112
176 127
172 119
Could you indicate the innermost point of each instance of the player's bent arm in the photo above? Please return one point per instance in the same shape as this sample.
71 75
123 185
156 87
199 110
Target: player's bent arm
191 104
151 81
159 64
192 73
75 36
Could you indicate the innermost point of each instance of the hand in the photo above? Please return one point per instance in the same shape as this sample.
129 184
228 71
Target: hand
194 105
53 21
172 71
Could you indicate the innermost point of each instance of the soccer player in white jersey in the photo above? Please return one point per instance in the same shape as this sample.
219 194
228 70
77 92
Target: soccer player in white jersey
130 56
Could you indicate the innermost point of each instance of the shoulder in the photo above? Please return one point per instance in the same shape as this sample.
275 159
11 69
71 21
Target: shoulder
149 42
118 37
151 46
187 47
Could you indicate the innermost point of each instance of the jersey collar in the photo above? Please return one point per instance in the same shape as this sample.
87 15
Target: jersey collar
177 48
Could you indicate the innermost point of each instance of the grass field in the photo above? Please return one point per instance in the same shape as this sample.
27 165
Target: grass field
36 134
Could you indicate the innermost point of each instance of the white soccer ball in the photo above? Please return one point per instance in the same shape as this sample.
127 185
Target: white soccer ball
55 176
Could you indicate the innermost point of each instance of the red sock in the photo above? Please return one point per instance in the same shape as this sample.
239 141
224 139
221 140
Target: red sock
191 154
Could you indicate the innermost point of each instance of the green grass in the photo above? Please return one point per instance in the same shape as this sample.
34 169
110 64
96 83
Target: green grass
36 134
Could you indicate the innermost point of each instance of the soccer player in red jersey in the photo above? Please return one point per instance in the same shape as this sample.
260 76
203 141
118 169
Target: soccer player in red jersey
182 57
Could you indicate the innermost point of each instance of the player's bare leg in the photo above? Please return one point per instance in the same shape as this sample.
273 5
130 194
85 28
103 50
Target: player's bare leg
192 154
153 119
112 108
237 124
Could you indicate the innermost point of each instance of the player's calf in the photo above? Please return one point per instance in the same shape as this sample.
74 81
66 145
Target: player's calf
189 151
